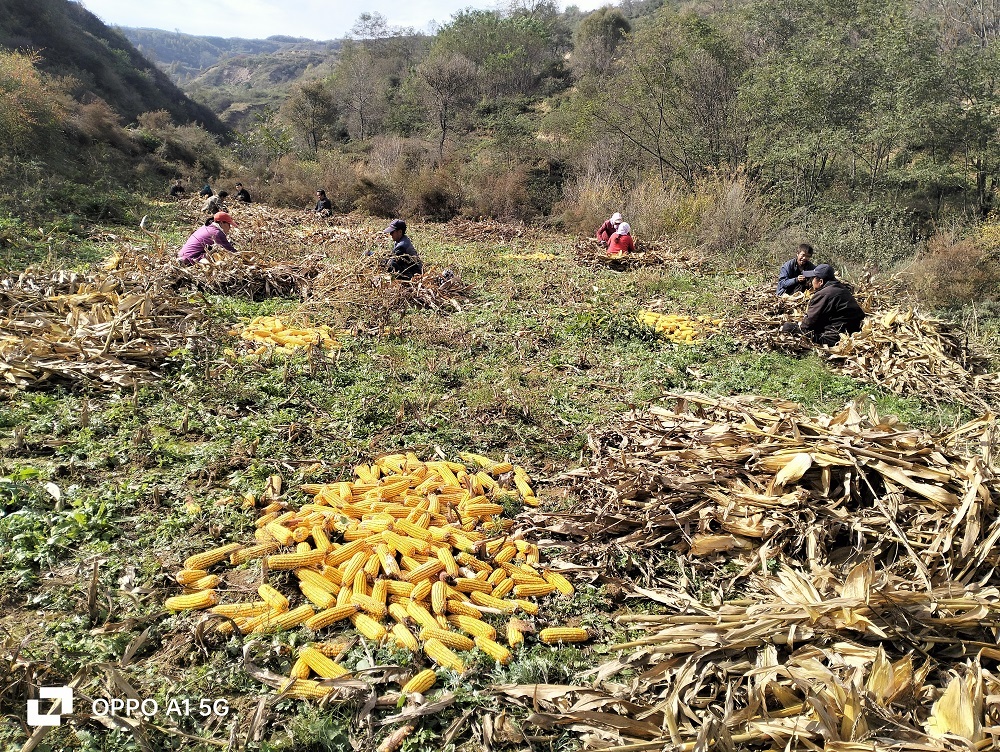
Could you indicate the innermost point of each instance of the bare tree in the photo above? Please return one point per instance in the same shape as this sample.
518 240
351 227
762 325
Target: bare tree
450 82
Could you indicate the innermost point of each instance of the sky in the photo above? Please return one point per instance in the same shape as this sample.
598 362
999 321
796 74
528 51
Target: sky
258 19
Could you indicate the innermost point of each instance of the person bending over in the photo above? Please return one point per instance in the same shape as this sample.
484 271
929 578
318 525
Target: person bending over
832 310
206 237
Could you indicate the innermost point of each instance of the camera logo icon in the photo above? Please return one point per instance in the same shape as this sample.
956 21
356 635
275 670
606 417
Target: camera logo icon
63 694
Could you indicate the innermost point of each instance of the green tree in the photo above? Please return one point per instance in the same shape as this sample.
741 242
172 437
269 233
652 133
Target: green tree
312 111
596 39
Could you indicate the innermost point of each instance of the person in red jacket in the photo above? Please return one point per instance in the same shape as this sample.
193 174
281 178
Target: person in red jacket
605 231
621 242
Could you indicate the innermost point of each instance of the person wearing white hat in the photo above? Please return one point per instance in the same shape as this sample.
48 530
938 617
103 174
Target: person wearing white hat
605 231
621 242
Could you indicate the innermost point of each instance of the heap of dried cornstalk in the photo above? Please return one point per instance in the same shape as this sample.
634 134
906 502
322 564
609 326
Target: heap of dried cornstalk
69 327
899 348
591 252
484 230
878 630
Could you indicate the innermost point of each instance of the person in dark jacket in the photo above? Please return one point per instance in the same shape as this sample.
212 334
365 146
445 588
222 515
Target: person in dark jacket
790 278
206 190
404 263
177 189
242 194
324 206
832 309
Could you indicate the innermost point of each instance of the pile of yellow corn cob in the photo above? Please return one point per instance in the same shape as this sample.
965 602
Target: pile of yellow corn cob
538 256
679 328
270 331
421 546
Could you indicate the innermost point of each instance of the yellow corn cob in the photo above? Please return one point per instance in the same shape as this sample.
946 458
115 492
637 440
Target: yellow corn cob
484 509
333 574
524 489
321 664
561 584
305 689
213 556
296 560
398 612
422 590
250 553
482 599
466 559
399 587
552 635
472 625
439 597
187 576
303 547
527 606
320 538
280 533
207 582
420 682
521 576
344 596
317 580
485 480
404 637
233 610
380 591
459 608
534 589
355 565
402 545
420 615
330 615
515 638
494 650
372 565
368 627
287 620
330 649
503 589
496 576
442 656
507 553
262 536
469 585
317 596
425 571
191 601
388 563
273 598
369 604
448 638
262 521
300 669
445 556
412 529
339 555
301 534
500 468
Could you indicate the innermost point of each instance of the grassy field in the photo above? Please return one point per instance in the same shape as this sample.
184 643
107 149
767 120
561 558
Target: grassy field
106 493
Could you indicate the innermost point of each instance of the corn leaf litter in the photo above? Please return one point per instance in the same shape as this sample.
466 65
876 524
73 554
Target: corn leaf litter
591 252
852 562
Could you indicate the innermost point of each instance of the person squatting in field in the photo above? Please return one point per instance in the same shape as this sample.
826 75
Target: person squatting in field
832 310
208 236
610 226
621 241
791 278
404 263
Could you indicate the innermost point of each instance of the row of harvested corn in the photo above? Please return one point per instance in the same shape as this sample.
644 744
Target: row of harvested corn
270 331
421 546
679 328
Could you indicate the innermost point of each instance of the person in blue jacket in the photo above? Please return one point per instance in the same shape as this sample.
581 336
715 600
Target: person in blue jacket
404 263
790 278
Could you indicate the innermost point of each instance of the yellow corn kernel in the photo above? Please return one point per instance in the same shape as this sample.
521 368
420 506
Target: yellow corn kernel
191 601
404 637
368 627
493 649
321 664
552 635
448 638
442 656
420 682
250 553
243 610
330 616
213 556
296 560
187 576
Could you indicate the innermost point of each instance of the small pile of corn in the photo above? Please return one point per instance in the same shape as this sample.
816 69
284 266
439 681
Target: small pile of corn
538 256
270 331
679 328
416 552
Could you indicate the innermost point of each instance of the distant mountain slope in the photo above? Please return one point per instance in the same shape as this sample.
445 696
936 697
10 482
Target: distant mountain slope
185 56
72 41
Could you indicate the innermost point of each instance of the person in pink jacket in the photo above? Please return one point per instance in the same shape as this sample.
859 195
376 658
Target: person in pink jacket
207 236
605 231
621 242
